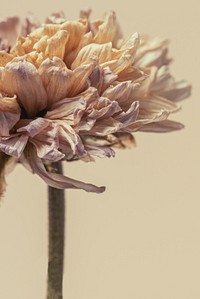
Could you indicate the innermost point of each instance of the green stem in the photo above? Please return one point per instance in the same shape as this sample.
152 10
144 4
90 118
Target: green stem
56 238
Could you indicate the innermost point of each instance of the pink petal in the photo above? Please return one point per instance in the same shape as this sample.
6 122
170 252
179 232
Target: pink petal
57 180
26 84
13 145
100 151
9 115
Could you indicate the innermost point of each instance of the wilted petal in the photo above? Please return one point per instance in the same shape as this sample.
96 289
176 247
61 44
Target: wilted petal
152 52
34 127
76 30
13 145
9 114
68 109
56 44
107 30
104 127
104 109
163 126
46 143
22 78
5 58
80 77
102 52
56 78
57 180
100 151
130 116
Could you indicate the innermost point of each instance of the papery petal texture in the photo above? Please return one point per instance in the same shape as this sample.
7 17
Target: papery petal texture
75 90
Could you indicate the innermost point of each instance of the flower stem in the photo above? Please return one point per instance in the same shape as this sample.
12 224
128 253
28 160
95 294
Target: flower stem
56 199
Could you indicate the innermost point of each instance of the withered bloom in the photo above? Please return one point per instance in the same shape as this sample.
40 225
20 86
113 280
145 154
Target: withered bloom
75 89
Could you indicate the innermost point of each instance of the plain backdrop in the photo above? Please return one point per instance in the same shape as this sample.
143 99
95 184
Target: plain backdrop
141 238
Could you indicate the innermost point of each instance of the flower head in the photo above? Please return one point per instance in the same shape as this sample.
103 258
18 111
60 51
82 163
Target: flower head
75 89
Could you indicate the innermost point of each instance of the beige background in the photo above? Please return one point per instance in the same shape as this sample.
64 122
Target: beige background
141 238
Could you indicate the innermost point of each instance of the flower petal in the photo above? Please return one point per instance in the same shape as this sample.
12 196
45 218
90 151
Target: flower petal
68 109
56 44
9 114
100 151
107 30
56 78
162 127
13 145
102 52
26 84
57 180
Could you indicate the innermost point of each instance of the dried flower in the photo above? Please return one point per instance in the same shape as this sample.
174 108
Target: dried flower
75 89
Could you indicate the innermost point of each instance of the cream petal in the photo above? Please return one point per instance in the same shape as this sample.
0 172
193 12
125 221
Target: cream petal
107 30
57 180
56 44
5 58
80 78
9 114
102 52
13 145
76 30
71 56
56 79
26 84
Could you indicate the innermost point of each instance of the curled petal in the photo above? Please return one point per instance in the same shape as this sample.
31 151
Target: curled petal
13 145
57 180
69 109
9 114
34 127
56 44
130 116
26 84
102 52
107 30
57 79
80 77
100 151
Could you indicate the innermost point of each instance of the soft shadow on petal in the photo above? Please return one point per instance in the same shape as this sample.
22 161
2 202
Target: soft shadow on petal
9 114
57 180
102 52
56 78
13 145
22 78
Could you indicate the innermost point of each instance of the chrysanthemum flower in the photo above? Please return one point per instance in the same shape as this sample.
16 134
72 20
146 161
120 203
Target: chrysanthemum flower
74 89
